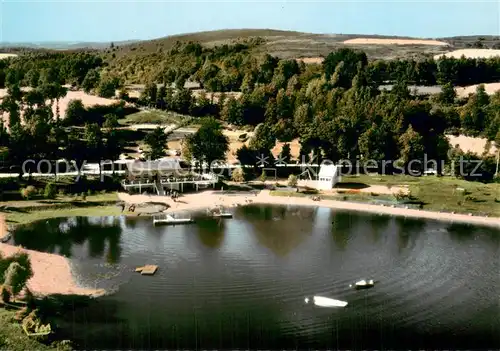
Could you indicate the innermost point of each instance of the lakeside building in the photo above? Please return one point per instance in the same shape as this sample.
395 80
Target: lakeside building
160 176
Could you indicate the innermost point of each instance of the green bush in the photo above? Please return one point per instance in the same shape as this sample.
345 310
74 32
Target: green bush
50 191
292 180
28 192
237 175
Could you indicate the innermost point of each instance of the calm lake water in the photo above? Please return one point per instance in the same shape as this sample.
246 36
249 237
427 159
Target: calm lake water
241 282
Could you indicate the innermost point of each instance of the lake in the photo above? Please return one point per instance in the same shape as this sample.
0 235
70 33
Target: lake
240 283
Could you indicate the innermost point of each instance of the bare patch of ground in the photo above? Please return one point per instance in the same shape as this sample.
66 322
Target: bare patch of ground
87 100
490 88
390 41
470 144
310 60
4 56
471 53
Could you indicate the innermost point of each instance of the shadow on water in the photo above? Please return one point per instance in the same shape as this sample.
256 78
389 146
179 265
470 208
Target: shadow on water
210 231
342 228
101 234
408 231
463 232
278 229
379 224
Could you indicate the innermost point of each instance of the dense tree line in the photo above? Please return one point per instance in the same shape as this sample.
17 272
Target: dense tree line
335 109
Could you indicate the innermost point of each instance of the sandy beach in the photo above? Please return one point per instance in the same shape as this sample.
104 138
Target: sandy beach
52 274
209 199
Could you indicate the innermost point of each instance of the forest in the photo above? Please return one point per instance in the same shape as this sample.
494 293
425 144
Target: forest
336 109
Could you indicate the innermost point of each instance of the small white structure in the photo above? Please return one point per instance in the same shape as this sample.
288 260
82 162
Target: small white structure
328 176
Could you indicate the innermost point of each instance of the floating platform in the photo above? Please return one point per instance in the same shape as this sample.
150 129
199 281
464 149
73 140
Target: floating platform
149 269
168 219
223 215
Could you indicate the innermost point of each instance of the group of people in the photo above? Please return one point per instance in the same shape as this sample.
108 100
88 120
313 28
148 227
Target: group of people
174 194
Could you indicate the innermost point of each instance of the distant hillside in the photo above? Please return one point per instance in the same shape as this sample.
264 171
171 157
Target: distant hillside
62 45
284 44
290 44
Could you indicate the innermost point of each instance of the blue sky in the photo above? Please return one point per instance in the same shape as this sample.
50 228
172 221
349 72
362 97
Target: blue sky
97 20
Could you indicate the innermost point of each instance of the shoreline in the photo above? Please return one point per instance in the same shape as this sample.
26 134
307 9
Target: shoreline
52 274
209 199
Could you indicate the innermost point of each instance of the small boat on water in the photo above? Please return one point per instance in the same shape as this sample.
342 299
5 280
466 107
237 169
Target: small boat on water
325 302
169 219
363 284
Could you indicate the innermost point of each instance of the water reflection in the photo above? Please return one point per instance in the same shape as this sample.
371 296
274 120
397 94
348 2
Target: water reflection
342 223
277 229
408 231
101 235
210 232
379 224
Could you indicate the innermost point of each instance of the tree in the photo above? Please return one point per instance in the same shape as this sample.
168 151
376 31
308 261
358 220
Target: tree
350 57
263 176
292 180
75 113
447 94
208 144
263 138
94 141
32 78
107 87
110 121
157 143
285 154
237 175
91 81
18 272
412 147
232 111
50 191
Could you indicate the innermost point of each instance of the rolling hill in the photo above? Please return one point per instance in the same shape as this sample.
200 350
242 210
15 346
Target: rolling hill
284 44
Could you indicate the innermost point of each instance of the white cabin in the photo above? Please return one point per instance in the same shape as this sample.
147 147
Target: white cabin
328 176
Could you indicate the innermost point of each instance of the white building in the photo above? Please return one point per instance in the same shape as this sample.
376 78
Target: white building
328 176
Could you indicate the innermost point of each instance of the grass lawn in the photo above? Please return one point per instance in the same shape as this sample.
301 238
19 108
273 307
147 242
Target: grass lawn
154 117
22 212
13 338
441 194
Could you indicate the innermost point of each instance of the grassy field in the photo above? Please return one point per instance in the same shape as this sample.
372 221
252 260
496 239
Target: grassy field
22 212
155 117
13 338
441 194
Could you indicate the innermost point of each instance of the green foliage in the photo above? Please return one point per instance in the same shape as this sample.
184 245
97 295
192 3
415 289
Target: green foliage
50 191
91 80
208 144
157 143
292 180
237 175
263 176
107 87
15 271
75 112
28 192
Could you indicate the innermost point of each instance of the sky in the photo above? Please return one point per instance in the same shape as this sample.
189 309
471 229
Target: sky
105 21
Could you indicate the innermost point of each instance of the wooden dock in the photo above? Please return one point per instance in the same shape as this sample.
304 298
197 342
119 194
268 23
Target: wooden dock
149 269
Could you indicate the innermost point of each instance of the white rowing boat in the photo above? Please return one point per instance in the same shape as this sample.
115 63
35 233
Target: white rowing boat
363 284
326 302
